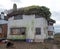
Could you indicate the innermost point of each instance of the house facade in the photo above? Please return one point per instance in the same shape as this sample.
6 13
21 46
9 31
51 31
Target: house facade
27 27
3 26
31 27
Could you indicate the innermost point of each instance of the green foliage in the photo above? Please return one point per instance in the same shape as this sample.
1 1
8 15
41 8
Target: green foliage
37 10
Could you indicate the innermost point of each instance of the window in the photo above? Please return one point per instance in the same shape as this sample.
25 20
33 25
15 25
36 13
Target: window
37 16
38 31
50 23
50 33
18 17
15 30
18 31
0 29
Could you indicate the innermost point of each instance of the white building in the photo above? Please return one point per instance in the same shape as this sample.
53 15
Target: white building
32 28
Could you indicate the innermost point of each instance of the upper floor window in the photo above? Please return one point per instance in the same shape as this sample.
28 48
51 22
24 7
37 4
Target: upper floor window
37 16
50 23
18 17
38 31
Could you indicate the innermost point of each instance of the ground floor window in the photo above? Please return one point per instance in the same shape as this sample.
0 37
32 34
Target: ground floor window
50 33
38 31
18 31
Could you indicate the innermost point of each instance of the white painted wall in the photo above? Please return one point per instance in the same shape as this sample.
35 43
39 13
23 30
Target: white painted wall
30 22
50 28
42 23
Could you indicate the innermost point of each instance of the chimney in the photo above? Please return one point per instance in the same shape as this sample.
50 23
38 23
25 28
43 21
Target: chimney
2 15
14 7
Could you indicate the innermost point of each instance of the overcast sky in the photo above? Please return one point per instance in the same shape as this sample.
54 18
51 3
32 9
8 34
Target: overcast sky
54 6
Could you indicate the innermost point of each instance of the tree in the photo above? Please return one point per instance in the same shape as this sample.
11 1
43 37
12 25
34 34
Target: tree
39 10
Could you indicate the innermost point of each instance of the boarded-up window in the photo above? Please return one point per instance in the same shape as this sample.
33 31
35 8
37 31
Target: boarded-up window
18 31
38 31
50 33
18 17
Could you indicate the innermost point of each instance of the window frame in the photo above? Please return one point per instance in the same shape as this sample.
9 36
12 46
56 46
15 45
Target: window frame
50 33
37 16
11 31
39 31
17 17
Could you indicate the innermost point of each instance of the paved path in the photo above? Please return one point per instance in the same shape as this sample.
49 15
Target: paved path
24 45
55 47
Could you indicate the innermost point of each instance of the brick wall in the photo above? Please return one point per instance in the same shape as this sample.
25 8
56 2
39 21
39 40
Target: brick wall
4 31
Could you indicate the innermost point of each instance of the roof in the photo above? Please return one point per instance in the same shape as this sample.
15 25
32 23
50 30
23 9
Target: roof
39 10
3 22
51 20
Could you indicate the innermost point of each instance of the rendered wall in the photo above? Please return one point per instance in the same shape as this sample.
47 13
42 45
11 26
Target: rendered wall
30 22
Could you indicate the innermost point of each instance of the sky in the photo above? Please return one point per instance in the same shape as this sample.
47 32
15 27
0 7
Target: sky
53 5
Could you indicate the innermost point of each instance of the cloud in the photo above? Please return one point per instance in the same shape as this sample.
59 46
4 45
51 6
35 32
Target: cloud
16 1
1 7
7 4
1 10
57 26
56 17
52 4
56 13
57 30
